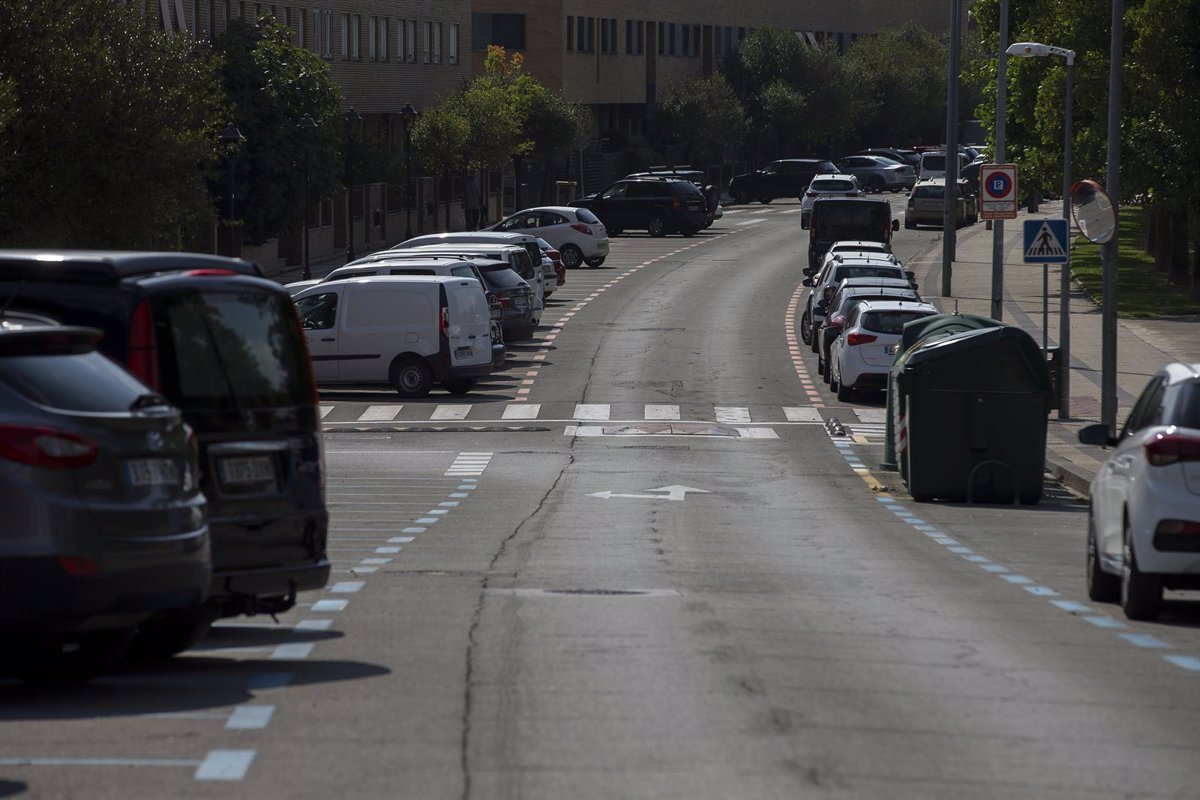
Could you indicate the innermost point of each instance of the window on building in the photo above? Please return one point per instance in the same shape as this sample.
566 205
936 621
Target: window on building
570 33
437 43
426 36
629 41
641 37
670 38
580 35
687 40
453 42
695 40
662 38
718 50
590 24
301 33
728 40
402 40
372 33
608 36
383 39
355 36
411 41
345 23
741 34
506 30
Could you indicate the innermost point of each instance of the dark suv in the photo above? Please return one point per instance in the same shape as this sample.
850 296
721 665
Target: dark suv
788 177
654 204
223 345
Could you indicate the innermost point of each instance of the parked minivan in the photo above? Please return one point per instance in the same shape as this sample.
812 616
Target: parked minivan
833 219
408 331
223 345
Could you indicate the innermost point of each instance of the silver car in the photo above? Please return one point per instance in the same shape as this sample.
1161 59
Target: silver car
105 526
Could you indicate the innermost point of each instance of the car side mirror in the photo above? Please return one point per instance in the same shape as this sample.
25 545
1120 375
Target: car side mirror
912 276
807 282
895 225
1098 435
809 271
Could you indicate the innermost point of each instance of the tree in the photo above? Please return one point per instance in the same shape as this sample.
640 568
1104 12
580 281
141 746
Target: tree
271 83
439 137
705 115
103 125
904 73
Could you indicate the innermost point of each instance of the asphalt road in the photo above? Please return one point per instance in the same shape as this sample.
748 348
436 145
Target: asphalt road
637 565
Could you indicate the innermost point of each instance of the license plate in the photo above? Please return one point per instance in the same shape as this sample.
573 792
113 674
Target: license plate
464 352
152 472
520 303
256 469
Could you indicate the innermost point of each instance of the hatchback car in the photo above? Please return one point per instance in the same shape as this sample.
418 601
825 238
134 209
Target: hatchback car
837 311
105 526
222 344
825 282
577 234
861 357
656 205
832 185
925 204
1144 520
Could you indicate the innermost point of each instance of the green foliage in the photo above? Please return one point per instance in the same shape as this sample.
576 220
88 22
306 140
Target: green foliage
705 116
439 138
103 122
904 86
271 83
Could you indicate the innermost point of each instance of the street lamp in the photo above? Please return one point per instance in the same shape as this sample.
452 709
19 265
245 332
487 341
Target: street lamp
407 115
353 120
306 125
231 138
1033 50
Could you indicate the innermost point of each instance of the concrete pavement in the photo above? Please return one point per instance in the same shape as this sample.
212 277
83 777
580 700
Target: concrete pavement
1143 346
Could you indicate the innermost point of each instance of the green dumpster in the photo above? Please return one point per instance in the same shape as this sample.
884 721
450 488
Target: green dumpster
915 331
970 414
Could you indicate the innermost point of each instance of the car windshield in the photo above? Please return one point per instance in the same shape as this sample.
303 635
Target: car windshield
1187 407
889 322
501 277
937 163
587 217
54 381
929 192
832 186
850 219
866 271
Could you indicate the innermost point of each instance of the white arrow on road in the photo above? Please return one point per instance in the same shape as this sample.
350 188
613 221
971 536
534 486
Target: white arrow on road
676 493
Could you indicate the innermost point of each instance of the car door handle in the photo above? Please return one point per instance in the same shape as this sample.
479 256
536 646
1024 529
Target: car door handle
329 339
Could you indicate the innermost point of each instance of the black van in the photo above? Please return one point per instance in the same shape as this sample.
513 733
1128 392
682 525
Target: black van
834 219
224 345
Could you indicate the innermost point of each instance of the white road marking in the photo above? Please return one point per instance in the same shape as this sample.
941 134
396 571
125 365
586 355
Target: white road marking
801 414
292 652
878 415
347 587
325 410
225 765
456 411
529 411
380 413
732 413
249 718
662 412
592 411
322 606
314 625
757 433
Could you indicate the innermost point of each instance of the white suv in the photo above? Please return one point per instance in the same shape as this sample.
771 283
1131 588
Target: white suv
830 185
862 356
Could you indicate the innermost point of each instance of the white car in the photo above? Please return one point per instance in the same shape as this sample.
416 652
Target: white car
827 185
843 265
1144 523
576 233
861 356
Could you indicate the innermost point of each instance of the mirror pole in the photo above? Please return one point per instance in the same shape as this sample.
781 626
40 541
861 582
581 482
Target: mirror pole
1064 288
998 158
1108 307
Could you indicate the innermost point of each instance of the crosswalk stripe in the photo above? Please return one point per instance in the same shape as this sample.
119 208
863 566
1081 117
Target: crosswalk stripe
791 211
731 414
597 411
523 411
871 414
662 412
380 413
325 409
801 414
454 411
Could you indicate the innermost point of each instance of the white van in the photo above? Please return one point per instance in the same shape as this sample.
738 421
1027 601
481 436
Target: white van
933 164
409 331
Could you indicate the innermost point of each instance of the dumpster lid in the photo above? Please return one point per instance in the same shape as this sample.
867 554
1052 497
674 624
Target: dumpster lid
999 357
942 325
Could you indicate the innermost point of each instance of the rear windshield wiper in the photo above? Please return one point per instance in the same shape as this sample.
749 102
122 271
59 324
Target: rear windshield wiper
148 401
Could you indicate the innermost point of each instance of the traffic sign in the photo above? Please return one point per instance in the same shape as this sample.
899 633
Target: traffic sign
1046 241
998 198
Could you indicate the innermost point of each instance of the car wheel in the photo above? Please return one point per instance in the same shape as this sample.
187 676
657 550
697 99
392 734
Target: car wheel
844 393
806 327
1102 586
171 635
571 255
459 385
875 184
411 377
814 345
1141 594
71 659
594 262
820 366
657 226
765 200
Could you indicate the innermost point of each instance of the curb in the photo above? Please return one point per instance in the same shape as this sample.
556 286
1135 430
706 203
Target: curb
1069 475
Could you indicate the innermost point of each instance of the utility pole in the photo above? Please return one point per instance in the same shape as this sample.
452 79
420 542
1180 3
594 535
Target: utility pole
1108 251
950 202
998 158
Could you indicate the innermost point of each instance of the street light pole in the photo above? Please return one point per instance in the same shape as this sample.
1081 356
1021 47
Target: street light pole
407 115
998 158
353 119
306 124
1108 251
1030 50
950 201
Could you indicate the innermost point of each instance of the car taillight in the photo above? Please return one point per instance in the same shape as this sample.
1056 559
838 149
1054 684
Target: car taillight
46 447
201 273
1174 526
505 301
142 360
77 565
856 338
1172 448
837 321
584 229
810 193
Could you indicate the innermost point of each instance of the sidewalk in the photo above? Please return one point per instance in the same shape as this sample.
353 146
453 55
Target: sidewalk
1143 346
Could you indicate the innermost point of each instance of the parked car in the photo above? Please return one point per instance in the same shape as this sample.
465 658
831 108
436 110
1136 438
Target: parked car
539 272
877 173
577 234
654 204
181 322
848 295
560 269
712 194
925 204
1144 517
933 164
825 283
453 266
898 154
861 357
836 219
788 177
105 525
831 185
420 329
970 174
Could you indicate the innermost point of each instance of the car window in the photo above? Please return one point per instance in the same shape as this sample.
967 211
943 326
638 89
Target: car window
55 381
890 322
501 278
616 190
408 271
1186 413
550 218
826 166
772 168
826 185
587 217
1148 408
223 348
318 311
930 192
524 264
512 223
462 272
933 162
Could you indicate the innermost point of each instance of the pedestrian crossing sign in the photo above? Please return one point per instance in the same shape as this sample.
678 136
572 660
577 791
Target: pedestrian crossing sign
1046 241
